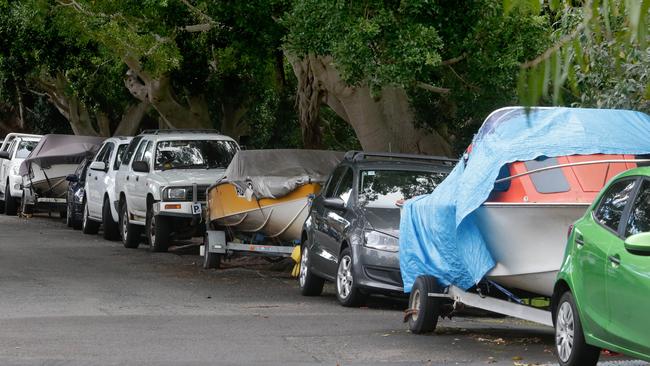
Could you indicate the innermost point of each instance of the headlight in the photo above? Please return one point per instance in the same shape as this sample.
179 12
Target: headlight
176 193
79 196
377 240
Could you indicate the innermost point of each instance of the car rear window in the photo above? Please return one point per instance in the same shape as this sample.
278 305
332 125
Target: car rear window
385 188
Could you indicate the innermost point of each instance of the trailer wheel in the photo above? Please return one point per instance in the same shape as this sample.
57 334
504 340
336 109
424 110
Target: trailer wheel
424 309
210 260
26 208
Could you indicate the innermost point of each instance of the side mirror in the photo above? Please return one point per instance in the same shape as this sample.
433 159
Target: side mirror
98 165
334 203
72 178
638 243
140 166
4 154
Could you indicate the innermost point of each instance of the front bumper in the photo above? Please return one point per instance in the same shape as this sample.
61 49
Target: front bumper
195 211
378 270
15 185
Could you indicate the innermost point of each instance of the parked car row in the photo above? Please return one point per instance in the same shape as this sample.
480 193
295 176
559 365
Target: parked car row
487 232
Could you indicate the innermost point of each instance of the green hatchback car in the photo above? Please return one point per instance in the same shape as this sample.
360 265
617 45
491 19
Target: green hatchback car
602 294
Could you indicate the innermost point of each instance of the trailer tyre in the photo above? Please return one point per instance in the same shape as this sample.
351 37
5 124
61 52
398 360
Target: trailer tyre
572 350
310 284
425 309
11 206
26 208
210 260
130 233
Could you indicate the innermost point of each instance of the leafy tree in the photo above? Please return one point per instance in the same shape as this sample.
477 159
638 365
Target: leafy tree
372 62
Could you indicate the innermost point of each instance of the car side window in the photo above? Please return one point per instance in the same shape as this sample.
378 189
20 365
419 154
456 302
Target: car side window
118 156
639 219
344 190
613 202
140 152
334 179
131 149
107 153
148 152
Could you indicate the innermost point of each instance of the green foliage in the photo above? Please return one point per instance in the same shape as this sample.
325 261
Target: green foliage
599 45
375 42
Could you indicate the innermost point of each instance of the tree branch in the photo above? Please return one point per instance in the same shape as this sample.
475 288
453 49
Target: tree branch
454 60
431 88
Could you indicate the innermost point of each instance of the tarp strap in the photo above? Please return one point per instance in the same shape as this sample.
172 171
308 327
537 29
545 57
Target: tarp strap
506 292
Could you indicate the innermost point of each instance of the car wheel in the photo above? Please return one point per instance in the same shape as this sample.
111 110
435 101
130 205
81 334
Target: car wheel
424 308
310 284
11 206
68 218
88 226
158 231
2 204
130 233
111 228
572 350
347 291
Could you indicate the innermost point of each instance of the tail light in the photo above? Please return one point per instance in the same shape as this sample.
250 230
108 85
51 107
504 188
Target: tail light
568 234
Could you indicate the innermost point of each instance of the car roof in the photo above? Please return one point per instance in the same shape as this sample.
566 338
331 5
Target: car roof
184 135
632 172
373 160
119 139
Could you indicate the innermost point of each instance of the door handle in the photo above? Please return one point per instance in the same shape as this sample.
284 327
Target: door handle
137 179
127 177
95 178
580 241
615 260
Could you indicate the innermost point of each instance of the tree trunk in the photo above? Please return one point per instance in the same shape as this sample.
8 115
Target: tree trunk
385 123
232 120
159 93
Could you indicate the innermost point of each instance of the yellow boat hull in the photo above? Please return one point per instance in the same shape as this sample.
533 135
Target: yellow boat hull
280 218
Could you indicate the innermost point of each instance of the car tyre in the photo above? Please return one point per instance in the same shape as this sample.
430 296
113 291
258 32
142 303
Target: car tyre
68 218
130 233
425 309
88 226
570 344
310 284
347 290
158 232
11 205
111 228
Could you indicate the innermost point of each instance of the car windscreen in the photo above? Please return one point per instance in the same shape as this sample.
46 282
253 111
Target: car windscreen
25 148
386 188
194 154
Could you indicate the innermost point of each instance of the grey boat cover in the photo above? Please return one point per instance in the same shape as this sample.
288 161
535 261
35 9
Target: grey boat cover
275 173
60 149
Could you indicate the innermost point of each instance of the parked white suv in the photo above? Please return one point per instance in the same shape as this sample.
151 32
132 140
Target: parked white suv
99 188
162 184
14 150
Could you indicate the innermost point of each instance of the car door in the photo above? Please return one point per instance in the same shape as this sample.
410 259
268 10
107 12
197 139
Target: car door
594 238
628 280
320 257
135 181
336 222
142 179
95 179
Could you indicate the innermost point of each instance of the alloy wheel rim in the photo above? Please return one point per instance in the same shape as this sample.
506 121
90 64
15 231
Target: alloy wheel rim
125 223
303 266
152 231
565 331
415 305
344 277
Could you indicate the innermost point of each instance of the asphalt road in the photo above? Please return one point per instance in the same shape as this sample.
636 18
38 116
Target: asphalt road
73 299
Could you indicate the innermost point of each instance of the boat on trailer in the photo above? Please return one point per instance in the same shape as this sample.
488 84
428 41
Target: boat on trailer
45 170
261 204
525 220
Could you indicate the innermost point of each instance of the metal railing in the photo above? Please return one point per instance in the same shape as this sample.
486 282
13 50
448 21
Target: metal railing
591 162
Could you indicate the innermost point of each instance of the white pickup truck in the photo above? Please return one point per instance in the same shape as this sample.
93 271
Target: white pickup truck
15 148
162 181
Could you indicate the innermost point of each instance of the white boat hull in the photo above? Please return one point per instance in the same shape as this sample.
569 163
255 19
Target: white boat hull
283 220
527 241
50 180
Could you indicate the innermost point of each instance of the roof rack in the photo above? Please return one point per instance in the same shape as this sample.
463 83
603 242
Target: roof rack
361 155
180 130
